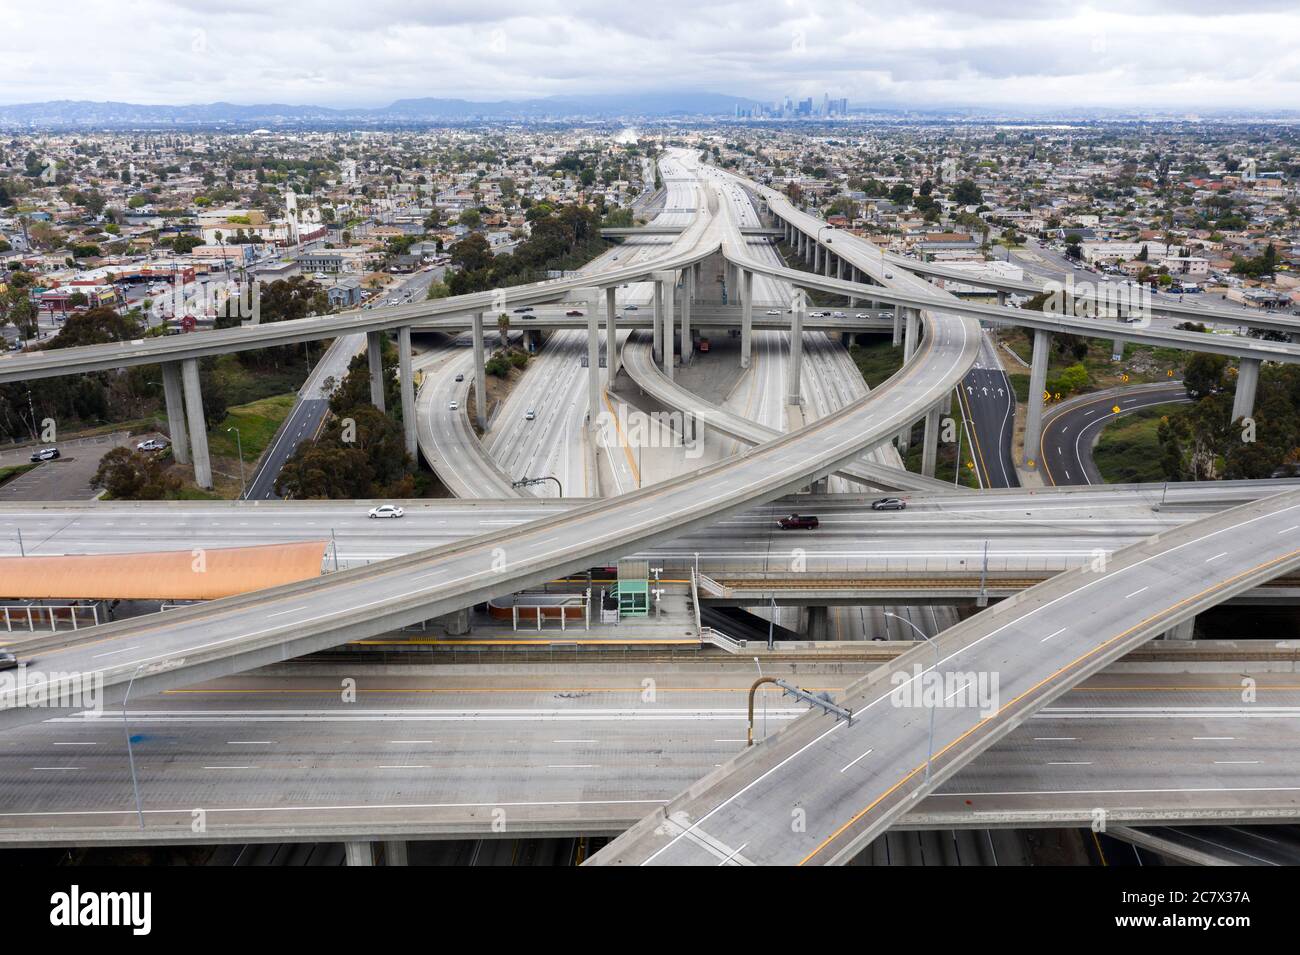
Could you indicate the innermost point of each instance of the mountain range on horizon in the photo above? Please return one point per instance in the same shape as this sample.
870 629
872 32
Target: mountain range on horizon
649 105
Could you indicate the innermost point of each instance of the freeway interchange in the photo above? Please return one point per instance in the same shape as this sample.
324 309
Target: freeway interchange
847 780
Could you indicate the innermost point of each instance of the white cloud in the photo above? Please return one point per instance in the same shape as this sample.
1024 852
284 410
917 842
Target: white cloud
1189 53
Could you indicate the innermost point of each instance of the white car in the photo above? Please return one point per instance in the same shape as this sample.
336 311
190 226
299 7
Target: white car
773 311
889 275
153 444
386 510
454 406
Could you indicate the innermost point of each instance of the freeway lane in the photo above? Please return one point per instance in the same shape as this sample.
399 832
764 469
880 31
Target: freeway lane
988 403
1070 430
850 780
242 632
1041 522
436 750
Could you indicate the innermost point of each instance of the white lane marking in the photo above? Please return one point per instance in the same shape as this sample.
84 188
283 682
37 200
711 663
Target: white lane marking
1136 592
1287 530
1236 762
1214 739
1056 739
571 766
1053 634
114 652
1210 560
574 741
1070 764
230 767
56 769
281 613
249 742
856 761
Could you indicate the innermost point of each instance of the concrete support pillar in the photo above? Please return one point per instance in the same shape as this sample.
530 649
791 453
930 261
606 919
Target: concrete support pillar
198 426
1117 350
593 364
1243 403
930 444
359 853
826 262
898 325
666 283
688 293
611 333
1034 407
174 392
1183 631
456 623
375 356
657 347
818 254
747 321
817 623
839 268
406 380
796 353
1002 299
913 333
809 250
820 486
480 374
395 853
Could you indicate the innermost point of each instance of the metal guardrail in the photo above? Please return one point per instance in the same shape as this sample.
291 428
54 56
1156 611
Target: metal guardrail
721 640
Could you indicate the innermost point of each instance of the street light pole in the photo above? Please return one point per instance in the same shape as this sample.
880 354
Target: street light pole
243 487
930 746
130 755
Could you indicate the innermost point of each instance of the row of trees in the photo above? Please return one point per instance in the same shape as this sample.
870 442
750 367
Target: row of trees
561 238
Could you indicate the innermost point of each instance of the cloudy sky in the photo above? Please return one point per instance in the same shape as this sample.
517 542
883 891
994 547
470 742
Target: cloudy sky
1190 54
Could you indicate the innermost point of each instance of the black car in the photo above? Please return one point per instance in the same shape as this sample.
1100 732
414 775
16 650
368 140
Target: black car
799 522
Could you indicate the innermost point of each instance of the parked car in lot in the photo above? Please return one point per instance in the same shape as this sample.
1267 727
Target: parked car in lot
799 522
153 444
889 504
386 510
45 454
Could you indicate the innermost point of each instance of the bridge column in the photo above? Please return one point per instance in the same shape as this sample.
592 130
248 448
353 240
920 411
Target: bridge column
198 424
817 623
818 253
913 333
796 352
395 852
1183 631
611 333
593 361
406 380
839 268
898 325
747 320
688 292
657 347
174 392
809 251
375 356
1002 298
668 283
1117 350
358 853
480 374
1243 403
930 443
1034 407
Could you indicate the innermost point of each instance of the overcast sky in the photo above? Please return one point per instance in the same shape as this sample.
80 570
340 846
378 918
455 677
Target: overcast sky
1191 54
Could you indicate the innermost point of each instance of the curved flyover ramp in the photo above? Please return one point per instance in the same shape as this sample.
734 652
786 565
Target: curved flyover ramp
844 782
641 368
197 643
